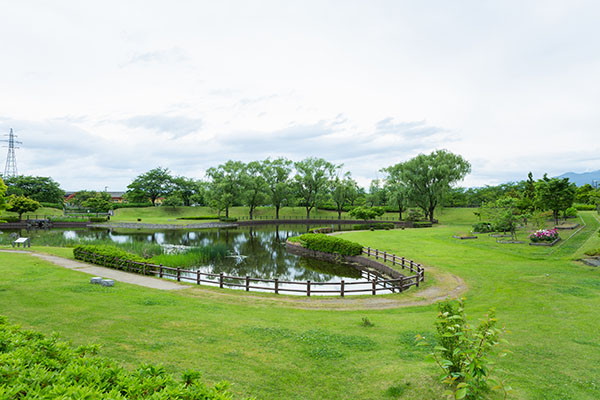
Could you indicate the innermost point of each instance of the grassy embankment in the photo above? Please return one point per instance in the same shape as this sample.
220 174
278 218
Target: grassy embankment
548 301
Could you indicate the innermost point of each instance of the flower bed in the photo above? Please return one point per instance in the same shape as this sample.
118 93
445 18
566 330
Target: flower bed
544 237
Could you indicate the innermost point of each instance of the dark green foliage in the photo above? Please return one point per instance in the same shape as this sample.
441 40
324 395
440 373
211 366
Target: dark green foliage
151 185
228 219
131 205
21 204
38 188
422 224
51 205
414 215
11 218
110 252
329 244
375 226
201 217
571 212
98 219
585 207
555 194
363 212
39 367
366 322
483 227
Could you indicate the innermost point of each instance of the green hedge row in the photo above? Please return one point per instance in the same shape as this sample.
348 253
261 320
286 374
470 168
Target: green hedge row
329 244
201 217
39 367
226 219
585 207
364 227
98 219
110 252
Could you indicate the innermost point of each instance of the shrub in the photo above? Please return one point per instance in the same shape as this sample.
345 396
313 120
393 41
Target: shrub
463 351
585 207
59 218
414 214
544 235
593 253
130 205
201 217
422 224
571 212
483 227
39 367
329 244
377 226
228 219
110 252
98 219
10 218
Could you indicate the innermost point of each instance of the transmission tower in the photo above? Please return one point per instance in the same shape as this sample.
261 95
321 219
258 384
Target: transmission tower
11 161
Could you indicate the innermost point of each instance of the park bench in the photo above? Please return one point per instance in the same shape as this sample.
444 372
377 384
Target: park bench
25 241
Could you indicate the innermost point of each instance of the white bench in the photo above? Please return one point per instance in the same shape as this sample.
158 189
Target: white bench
25 241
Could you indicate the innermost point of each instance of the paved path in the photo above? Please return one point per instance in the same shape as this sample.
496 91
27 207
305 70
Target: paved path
95 270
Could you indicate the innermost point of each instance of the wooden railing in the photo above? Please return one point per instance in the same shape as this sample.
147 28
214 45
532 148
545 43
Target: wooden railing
371 285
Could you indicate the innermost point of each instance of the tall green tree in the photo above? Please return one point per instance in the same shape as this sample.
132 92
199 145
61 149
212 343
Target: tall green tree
3 189
98 203
80 197
312 180
254 186
153 184
377 194
226 182
428 176
184 188
277 177
22 204
39 188
342 191
556 194
395 188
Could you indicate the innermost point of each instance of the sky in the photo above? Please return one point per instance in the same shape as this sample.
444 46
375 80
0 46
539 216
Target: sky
99 92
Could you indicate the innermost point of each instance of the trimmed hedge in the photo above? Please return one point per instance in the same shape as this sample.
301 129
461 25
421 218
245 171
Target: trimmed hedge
110 252
422 224
40 367
364 227
98 219
585 207
329 244
201 217
230 219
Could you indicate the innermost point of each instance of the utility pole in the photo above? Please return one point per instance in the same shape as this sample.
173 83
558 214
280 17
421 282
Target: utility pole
10 170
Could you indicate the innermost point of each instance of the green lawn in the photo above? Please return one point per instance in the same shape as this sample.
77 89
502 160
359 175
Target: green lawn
266 349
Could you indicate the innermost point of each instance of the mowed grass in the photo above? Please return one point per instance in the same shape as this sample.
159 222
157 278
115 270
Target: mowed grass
547 300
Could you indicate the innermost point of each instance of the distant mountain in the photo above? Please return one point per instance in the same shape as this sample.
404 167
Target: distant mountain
583 178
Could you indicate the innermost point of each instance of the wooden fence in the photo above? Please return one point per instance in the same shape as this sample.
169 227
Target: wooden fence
371 285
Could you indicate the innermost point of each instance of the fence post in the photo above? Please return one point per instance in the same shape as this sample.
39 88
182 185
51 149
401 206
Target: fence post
384 256
247 283
374 290
368 251
417 283
401 283
197 277
342 289
221 280
376 254
393 259
178 274
308 288
276 286
160 271
411 266
402 262
145 264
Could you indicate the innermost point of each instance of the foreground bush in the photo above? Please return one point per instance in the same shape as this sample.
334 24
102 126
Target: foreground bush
110 252
37 367
463 352
329 244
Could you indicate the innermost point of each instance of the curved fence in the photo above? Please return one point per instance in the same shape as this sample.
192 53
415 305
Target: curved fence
372 284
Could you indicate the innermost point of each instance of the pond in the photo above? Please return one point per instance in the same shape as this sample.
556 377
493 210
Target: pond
258 252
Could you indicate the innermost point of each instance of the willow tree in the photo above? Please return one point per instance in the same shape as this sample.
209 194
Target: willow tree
428 176
312 181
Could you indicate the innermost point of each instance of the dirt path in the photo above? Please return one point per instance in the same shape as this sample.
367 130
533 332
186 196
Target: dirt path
445 285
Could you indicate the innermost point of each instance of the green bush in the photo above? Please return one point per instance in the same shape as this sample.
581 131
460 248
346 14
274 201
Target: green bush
131 205
414 214
422 224
483 227
571 212
329 244
111 253
98 219
39 367
201 217
585 207
68 219
378 226
228 219
10 218
51 205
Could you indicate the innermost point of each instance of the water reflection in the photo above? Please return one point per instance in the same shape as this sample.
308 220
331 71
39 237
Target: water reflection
254 251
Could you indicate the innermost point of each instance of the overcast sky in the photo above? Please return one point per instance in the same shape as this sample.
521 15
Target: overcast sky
99 92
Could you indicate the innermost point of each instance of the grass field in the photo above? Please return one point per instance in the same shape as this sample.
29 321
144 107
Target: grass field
270 350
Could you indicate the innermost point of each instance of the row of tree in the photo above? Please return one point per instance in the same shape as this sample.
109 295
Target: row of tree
420 181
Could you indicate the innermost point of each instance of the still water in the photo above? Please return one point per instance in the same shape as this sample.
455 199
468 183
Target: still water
252 251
